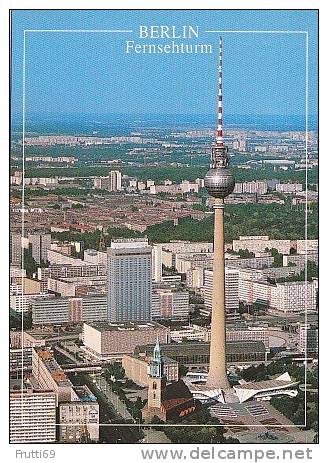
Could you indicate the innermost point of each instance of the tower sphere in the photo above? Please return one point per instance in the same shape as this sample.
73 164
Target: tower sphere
219 182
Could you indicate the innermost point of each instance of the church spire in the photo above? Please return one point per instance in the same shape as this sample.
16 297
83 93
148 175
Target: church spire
156 366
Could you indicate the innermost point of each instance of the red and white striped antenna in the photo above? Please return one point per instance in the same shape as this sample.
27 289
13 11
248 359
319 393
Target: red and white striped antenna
219 135
219 152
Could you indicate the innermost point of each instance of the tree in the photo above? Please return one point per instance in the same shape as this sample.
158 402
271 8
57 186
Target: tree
29 263
156 420
183 370
115 370
277 258
16 320
245 253
139 403
44 264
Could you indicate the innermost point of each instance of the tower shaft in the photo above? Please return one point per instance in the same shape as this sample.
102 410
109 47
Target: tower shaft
217 376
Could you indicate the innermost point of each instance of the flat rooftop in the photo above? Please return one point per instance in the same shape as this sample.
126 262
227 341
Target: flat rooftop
203 348
129 243
53 368
125 326
30 385
253 419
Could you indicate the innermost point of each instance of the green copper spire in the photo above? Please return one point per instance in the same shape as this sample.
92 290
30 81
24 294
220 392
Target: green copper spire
156 362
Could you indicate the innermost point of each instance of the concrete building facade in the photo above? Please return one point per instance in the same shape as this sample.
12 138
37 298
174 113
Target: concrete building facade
79 419
105 340
138 368
129 280
170 304
289 297
157 263
308 339
40 244
32 416
61 310
231 288
50 375
260 244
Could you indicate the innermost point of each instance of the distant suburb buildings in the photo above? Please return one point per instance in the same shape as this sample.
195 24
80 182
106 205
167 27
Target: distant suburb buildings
113 182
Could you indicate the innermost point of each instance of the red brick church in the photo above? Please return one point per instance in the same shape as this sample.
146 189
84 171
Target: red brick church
166 401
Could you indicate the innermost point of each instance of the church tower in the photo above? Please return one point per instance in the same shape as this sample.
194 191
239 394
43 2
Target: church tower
155 380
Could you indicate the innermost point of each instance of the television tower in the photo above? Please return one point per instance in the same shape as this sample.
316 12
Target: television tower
219 183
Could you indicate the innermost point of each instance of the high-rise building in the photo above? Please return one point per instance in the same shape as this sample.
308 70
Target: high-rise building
258 187
195 278
240 144
260 243
50 375
289 297
289 187
113 182
22 303
308 339
300 260
157 262
294 296
231 279
307 247
170 304
60 310
40 243
16 248
129 280
32 414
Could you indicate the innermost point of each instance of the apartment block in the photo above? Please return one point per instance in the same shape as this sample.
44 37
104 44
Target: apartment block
50 375
60 310
260 244
169 304
231 289
32 414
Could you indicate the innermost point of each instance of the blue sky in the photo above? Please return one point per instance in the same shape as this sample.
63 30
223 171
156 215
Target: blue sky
91 73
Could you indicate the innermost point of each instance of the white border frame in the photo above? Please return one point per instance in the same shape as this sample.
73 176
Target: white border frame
306 33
